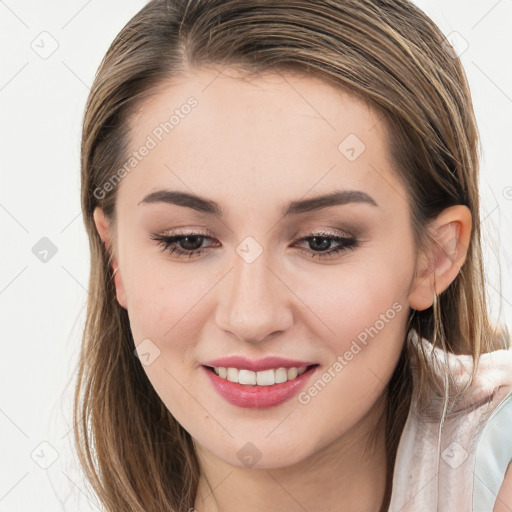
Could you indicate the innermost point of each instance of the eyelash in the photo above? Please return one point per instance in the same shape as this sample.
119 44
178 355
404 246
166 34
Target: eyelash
168 243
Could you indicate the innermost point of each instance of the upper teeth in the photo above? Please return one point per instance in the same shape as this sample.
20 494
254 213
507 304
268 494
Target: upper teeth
263 378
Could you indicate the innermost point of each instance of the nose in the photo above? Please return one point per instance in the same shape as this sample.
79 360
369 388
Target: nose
254 302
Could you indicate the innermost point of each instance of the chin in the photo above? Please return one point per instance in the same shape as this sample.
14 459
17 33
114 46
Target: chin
260 454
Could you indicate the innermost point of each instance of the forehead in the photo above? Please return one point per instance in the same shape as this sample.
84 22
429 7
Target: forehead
272 137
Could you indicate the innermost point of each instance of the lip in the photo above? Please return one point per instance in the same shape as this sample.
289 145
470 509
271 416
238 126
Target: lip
258 397
256 365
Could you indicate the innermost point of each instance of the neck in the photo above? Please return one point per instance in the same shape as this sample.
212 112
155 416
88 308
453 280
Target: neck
348 475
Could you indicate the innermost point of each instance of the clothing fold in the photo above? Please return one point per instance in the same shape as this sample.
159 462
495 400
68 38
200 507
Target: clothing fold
436 462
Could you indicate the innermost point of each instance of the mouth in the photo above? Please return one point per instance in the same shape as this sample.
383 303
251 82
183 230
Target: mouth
269 377
258 389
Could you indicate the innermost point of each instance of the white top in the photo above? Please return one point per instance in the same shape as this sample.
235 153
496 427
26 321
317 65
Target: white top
460 466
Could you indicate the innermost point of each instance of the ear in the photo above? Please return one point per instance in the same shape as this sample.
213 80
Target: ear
102 226
438 265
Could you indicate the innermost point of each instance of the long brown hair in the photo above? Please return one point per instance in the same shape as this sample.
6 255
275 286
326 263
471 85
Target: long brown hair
387 53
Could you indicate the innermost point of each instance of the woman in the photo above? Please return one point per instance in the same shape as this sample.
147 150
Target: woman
286 291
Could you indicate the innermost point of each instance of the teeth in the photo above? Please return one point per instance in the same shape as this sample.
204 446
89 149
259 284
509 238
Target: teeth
263 378
246 377
292 373
232 375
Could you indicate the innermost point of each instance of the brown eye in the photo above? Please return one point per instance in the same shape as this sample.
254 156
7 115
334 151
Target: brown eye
189 244
320 244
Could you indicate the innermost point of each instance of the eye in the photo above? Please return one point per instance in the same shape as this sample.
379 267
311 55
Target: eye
323 241
191 244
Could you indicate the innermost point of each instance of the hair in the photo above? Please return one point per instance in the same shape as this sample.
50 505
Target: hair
387 53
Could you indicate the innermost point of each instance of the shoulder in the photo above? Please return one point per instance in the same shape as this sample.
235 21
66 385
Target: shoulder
482 426
471 468
493 471
504 498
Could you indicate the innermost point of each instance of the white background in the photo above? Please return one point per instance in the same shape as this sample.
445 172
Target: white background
42 305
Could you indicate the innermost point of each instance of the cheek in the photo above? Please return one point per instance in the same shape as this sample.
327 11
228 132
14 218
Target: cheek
168 310
159 293
164 306
353 297
365 309
171 308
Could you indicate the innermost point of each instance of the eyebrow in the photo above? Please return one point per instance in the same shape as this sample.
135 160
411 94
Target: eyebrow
201 204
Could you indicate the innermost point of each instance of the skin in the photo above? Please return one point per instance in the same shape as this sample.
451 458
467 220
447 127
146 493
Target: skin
254 146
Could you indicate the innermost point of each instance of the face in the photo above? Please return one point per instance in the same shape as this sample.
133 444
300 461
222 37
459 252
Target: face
270 270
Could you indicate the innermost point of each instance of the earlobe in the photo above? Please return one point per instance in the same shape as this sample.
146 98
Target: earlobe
438 265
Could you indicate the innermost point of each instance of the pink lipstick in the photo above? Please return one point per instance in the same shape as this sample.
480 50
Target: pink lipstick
258 383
